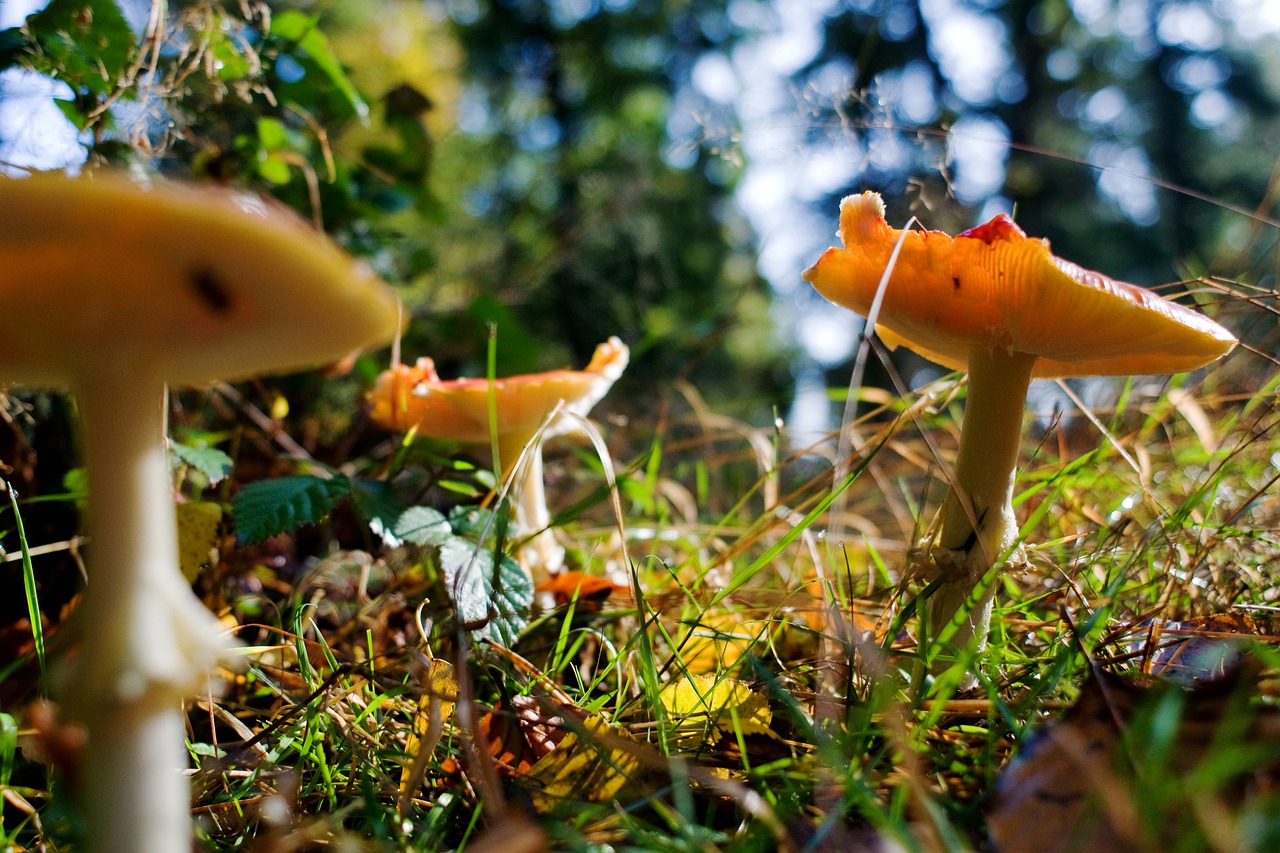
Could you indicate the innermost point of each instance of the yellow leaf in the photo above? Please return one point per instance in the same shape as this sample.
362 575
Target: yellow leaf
722 707
720 637
434 707
583 768
198 523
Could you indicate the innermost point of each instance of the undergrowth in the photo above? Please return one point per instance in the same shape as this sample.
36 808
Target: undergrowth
742 673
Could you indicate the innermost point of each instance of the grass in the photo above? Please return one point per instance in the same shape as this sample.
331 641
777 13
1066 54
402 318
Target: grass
753 682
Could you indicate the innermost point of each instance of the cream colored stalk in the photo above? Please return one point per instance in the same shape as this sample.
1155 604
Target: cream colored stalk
979 529
146 642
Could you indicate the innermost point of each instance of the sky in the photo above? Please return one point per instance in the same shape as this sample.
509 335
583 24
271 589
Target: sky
32 130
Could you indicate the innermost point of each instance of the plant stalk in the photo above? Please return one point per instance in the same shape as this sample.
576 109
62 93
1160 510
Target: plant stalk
147 643
541 554
979 529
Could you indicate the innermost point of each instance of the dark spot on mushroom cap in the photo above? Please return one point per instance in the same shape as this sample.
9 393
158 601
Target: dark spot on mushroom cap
1067 798
211 291
955 281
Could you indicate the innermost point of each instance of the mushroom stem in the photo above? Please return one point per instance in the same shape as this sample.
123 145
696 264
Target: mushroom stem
542 554
146 641
978 525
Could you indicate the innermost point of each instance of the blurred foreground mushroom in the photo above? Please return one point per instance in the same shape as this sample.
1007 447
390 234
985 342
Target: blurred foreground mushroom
416 398
113 289
997 303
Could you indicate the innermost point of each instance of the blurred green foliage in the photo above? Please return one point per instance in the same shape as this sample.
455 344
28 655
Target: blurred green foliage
511 171
555 172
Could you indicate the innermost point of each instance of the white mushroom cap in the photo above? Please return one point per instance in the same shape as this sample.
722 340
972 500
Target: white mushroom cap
189 283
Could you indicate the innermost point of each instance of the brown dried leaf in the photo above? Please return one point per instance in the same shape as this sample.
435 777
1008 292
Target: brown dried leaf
1076 784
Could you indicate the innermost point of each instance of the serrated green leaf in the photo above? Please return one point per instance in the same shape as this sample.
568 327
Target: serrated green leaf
423 525
86 43
269 507
490 601
209 461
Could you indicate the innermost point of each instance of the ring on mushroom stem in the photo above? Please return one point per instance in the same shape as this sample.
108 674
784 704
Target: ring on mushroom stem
203 284
999 304
417 398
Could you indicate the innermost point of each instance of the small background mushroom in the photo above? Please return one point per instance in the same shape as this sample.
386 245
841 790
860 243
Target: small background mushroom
527 410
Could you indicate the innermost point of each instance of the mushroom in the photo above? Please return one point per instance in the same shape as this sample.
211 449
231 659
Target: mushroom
112 289
416 398
997 303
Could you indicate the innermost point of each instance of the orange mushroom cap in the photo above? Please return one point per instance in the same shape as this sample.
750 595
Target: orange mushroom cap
458 409
995 287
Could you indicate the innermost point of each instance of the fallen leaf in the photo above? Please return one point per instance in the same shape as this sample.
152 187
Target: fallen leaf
583 767
515 735
590 590
1203 648
722 637
711 708
435 706
198 524
1087 783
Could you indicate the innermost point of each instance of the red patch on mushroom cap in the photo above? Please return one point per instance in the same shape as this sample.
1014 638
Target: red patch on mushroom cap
1001 227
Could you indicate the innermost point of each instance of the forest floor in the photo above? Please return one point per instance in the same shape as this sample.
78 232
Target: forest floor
731 660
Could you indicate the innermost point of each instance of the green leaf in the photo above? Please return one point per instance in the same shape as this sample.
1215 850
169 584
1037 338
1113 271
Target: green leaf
209 461
269 507
423 525
274 169
228 57
13 44
377 501
86 43
76 482
301 29
478 524
490 601
71 110
272 135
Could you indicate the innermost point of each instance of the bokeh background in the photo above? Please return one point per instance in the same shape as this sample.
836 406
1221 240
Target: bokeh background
566 170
